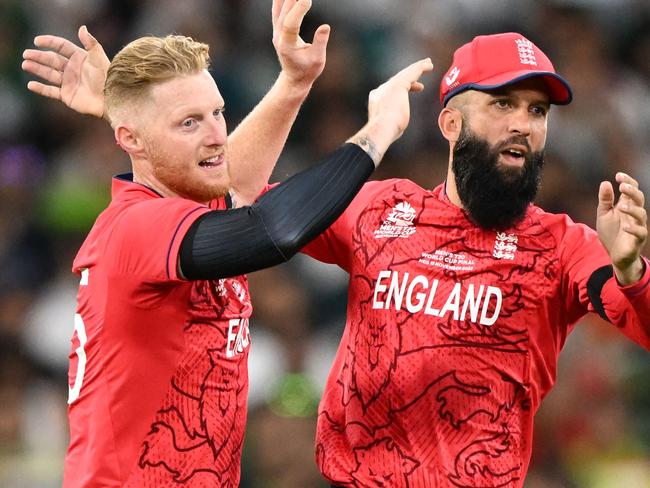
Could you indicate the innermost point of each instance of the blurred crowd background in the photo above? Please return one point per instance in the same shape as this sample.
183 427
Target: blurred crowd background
594 428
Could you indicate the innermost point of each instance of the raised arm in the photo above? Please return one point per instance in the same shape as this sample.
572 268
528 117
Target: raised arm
255 145
75 75
226 243
604 271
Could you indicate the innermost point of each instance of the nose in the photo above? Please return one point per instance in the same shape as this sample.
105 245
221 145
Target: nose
216 131
520 122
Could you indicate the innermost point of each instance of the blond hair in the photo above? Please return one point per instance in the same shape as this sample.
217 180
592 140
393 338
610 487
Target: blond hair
146 62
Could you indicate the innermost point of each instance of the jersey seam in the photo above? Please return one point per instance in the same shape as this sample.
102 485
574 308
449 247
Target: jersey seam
173 239
266 229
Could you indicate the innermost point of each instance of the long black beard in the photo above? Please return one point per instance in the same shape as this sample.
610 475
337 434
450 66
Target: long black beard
494 196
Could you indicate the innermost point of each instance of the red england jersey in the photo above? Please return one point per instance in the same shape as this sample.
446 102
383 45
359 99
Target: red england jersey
158 368
452 337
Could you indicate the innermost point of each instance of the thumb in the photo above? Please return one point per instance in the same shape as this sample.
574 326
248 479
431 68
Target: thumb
87 40
412 73
321 36
416 86
605 197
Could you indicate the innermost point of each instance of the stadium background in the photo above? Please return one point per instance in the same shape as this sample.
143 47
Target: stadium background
593 430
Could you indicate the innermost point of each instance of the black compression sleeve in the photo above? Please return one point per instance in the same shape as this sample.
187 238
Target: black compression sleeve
226 243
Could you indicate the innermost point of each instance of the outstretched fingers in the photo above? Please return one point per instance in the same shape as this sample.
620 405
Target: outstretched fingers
45 71
413 72
280 9
636 223
637 213
629 188
276 8
56 43
48 65
639 231
631 204
292 21
46 58
44 90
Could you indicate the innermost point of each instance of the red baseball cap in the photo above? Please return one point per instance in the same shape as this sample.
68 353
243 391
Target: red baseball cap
497 60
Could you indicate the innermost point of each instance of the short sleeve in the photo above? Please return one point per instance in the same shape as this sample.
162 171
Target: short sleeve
147 239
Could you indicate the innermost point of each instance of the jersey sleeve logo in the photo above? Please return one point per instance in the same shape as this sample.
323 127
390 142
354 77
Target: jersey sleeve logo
398 223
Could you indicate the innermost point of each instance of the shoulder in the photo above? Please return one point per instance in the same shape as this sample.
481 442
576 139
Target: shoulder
146 220
554 221
562 227
154 210
379 193
390 187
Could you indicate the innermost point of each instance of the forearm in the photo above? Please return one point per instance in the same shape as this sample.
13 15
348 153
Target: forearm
228 243
255 145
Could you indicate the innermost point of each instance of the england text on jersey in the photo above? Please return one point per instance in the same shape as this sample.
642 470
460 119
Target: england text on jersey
416 293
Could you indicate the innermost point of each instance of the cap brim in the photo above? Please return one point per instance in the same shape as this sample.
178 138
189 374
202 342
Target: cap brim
558 88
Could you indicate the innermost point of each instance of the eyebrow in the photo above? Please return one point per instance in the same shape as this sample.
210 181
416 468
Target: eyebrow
192 112
505 92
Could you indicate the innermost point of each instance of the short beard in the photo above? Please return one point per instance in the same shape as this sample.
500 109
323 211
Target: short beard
175 178
173 175
494 196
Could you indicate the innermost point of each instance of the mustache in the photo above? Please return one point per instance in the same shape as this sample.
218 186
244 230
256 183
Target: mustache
468 140
514 140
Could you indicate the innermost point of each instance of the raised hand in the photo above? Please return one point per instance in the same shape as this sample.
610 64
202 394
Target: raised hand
622 227
390 101
75 75
301 62
389 110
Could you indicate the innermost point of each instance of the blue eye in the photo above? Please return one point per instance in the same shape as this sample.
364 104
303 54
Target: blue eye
188 123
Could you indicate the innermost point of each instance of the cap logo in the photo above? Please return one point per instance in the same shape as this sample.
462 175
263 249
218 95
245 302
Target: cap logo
452 75
526 52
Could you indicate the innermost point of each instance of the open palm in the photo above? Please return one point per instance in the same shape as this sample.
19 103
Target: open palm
622 225
74 75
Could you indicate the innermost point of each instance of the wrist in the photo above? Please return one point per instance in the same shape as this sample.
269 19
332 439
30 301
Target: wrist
375 139
292 90
628 275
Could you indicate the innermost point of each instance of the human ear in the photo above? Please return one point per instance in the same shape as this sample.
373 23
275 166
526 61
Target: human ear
128 139
450 122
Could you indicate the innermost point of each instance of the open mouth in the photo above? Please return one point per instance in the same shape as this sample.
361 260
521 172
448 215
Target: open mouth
212 162
514 156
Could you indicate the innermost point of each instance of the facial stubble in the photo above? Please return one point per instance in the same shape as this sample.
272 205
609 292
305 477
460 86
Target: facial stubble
174 174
